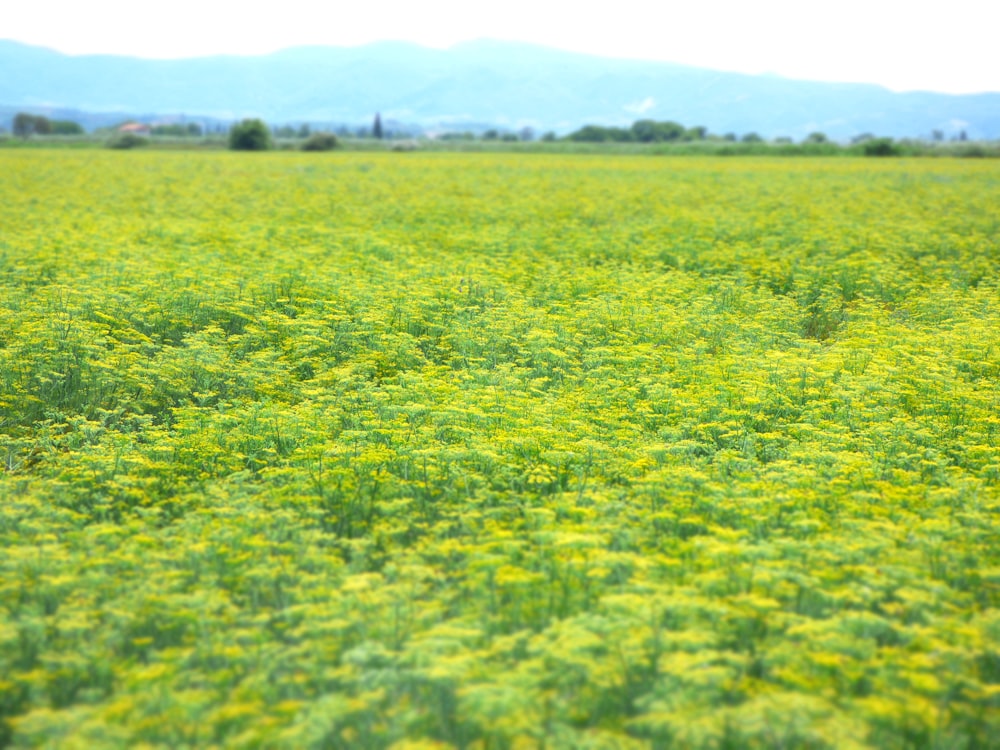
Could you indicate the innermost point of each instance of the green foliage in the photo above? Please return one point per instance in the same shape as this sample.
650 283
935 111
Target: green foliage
66 127
600 134
126 141
178 130
650 131
250 135
880 147
26 125
490 451
641 131
320 142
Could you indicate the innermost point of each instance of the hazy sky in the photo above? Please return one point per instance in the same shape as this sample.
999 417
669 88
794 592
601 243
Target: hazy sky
945 46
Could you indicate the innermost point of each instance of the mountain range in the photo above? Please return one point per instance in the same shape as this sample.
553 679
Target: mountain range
484 83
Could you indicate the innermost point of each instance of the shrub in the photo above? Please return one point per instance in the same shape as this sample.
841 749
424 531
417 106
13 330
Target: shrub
320 142
250 135
880 147
599 134
971 151
66 127
126 140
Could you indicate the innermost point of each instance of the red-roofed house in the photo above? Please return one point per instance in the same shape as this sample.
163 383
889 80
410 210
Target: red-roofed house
135 128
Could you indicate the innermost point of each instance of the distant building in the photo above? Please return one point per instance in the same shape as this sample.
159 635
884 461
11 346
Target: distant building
135 128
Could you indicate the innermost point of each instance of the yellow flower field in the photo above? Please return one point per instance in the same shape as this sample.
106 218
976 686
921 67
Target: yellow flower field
379 450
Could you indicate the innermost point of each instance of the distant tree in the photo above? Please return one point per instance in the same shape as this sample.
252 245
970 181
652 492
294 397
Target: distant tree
285 131
752 138
697 133
249 135
729 137
862 138
66 127
26 125
937 135
377 127
600 134
548 136
526 134
816 137
491 135
194 129
650 131
783 139
646 131
304 130
962 136
880 147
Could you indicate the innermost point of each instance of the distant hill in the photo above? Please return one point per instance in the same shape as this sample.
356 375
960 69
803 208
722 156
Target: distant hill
506 84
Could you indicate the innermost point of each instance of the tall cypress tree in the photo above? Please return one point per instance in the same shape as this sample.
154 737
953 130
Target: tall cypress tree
377 126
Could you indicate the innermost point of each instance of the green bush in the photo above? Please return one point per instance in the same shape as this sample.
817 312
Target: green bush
880 147
320 142
67 127
126 140
250 135
600 134
974 150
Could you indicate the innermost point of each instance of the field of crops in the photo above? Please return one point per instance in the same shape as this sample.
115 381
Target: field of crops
498 451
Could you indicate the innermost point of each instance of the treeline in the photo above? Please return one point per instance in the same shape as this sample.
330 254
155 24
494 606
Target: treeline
668 131
25 126
644 135
642 131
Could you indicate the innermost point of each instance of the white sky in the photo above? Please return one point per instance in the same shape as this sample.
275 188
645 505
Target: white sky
945 46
